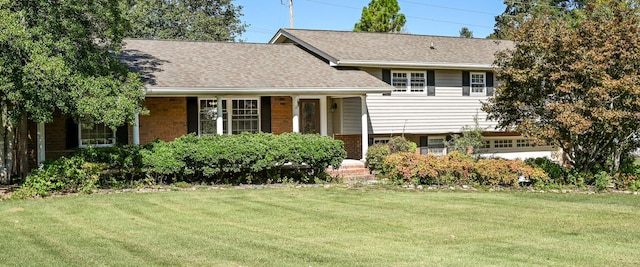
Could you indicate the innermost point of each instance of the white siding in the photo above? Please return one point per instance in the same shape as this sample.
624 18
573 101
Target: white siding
421 114
448 83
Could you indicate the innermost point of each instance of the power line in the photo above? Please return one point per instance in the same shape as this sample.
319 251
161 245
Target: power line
450 8
413 17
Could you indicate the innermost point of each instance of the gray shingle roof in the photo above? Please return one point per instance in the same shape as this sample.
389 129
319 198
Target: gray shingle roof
238 67
344 46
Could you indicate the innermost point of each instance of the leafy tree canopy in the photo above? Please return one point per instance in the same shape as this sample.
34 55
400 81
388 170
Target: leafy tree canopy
575 84
59 55
518 12
199 20
381 16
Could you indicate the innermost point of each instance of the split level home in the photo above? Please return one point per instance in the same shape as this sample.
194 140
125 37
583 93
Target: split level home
361 88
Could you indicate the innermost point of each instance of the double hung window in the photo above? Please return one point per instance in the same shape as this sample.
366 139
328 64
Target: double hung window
409 81
96 135
239 115
478 83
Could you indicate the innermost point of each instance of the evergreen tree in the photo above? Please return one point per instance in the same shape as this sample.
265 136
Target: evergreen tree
381 16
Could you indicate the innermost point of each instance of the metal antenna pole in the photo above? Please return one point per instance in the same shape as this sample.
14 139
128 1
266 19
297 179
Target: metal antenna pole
291 13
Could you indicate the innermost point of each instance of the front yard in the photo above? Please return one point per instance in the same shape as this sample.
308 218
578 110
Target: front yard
334 226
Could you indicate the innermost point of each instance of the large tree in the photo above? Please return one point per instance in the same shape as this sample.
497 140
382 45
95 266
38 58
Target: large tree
466 33
59 55
198 20
575 84
518 12
381 16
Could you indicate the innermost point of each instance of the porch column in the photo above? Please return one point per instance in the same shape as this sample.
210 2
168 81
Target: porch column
219 119
40 142
365 128
136 129
323 116
296 115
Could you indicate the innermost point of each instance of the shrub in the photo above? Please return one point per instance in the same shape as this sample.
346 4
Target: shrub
65 175
375 157
400 144
244 158
504 172
556 173
123 162
601 181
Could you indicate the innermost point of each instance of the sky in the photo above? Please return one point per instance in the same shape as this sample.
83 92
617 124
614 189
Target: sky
429 17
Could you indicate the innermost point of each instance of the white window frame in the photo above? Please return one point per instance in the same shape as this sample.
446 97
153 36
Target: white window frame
437 151
227 111
483 84
409 89
81 144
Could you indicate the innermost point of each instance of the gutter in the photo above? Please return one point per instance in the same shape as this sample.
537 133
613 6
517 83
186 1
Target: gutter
188 91
391 64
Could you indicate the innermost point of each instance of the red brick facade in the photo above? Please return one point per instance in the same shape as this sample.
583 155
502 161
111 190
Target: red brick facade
281 114
352 144
166 121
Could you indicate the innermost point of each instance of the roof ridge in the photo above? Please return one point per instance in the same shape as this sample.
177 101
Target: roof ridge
394 33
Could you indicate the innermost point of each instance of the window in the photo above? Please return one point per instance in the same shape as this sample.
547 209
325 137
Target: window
522 143
486 144
436 145
502 143
409 82
381 140
244 116
478 84
96 135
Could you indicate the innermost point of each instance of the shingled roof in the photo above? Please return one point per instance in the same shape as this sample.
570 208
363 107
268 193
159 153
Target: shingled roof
196 68
346 48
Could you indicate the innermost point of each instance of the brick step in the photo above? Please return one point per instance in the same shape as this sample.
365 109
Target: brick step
352 173
362 171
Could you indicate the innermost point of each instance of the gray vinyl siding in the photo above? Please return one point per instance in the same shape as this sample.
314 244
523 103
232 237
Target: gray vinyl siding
351 114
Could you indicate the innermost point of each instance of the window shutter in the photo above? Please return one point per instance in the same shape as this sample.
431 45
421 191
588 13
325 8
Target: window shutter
424 143
386 76
466 84
72 133
192 115
265 114
489 83
122 135
370 141
431 83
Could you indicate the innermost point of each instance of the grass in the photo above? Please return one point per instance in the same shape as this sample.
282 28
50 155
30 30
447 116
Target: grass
322 227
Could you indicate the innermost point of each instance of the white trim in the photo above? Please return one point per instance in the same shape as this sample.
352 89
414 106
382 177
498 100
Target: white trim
296 113
365 127
324 121
80 145
229 109
41 142
212 91
282 33
417 65
136 128
484 88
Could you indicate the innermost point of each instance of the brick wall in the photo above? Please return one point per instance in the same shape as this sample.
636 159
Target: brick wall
352 144
166 121
56 137
281 114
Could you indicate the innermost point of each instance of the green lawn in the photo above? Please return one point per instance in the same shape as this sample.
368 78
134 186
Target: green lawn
322 227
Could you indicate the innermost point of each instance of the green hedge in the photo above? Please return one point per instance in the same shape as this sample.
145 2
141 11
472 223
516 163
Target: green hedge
244 158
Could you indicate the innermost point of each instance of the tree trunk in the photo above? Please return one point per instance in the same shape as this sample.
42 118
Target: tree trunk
22 153
6 153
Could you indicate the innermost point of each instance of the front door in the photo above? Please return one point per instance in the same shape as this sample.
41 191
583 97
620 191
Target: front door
309 116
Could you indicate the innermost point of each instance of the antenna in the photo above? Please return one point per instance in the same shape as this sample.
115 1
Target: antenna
290 11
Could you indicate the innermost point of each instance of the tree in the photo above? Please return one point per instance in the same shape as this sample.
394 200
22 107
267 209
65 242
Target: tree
469 141
381 16
466 33
518 12
575 85
60 57
198 20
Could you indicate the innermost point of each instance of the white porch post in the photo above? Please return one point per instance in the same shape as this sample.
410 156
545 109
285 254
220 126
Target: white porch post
136 129
219 119
40 142
296 115
323 116
365 128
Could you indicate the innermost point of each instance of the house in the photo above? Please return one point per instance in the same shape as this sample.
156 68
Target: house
361 88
